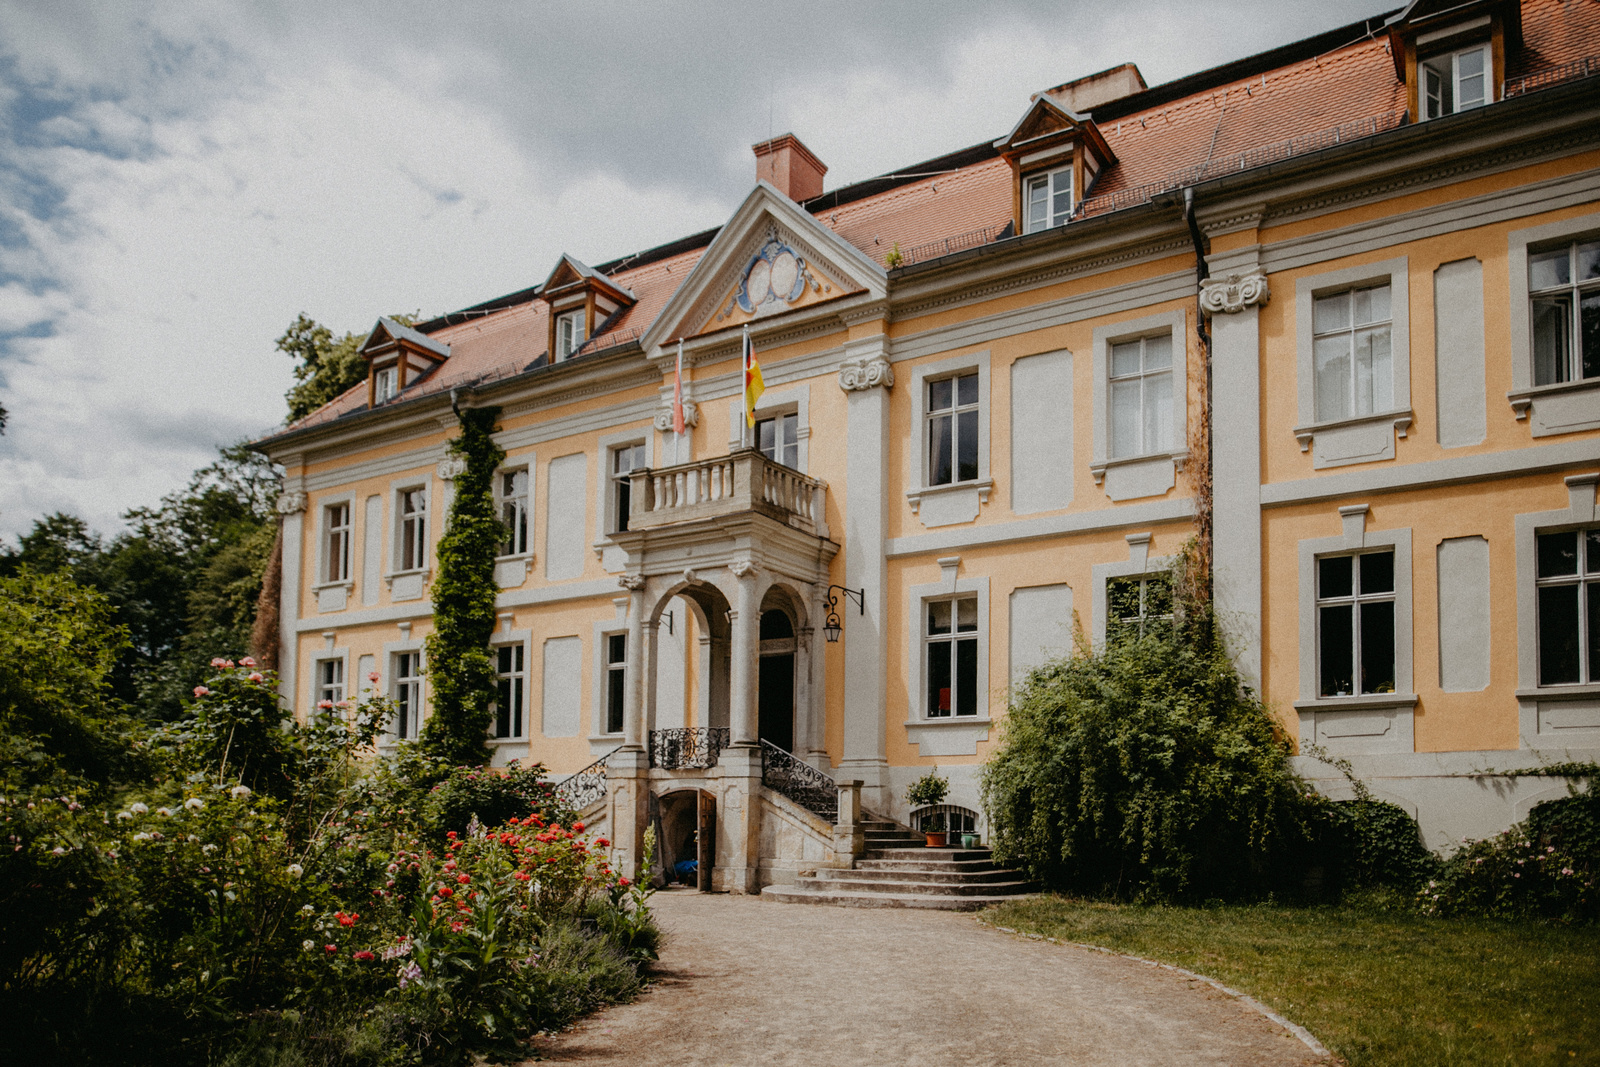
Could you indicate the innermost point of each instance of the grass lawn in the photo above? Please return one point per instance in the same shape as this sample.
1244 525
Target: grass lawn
1378 987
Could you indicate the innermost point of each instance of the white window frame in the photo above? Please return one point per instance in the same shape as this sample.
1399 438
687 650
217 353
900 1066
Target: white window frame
1348 334
1360 438
401 520
1144 376
1164 465
1564 407
775 403
952 639
599 738
971 494
951 735
515 640
608 445
415 682
779 445
1051 181
326 533
1575 290
1139 564
385 383
1355 600
340 656
953 411
572 322
526 508
1453 58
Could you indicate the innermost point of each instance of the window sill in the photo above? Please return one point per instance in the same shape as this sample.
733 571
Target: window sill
949 505
954 720
1565 407
507 740
333 596
916 496
1139 477
1363 439
1099 467
1400 419
956 736
511 571
1358 703
347 584
407 585
1575 691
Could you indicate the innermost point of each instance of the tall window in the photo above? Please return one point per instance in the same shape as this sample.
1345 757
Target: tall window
570 333
514 511
385 383
951 647
1354 366
336 561
953 430
1455 81
1355 624
779 439
510 677
1138 606
413 529
1569 607
616 676
407 695
1047 199
624 461
330 681
1565 288
1141 396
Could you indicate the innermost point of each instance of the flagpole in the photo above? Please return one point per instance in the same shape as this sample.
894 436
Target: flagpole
677 435
744 382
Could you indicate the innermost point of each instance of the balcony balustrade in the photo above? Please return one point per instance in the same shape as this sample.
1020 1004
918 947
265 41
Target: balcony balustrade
726 485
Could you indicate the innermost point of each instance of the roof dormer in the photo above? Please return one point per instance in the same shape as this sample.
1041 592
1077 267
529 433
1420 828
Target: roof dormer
1452 55
581 299
396 356
1055 154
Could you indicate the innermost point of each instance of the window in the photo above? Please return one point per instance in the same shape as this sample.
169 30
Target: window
779 439
330 681
1138 606
624 461
1454 82
1047 199
616 676
407 695
413 529
1355 624
336 558
953 430
1141 396
1351 353
385 383
514 511
951 648
1564 286
1569 606
570 333
510 678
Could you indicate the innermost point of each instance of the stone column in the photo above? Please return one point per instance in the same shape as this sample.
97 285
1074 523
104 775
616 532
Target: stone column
1234 303
628 770
292 506
743 683
739 766
866 377
633 691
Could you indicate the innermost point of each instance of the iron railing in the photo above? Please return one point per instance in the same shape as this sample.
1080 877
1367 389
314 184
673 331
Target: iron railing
1587 67
802 783
687 749
585 787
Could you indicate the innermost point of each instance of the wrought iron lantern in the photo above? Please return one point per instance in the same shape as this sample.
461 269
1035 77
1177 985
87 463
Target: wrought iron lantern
833 627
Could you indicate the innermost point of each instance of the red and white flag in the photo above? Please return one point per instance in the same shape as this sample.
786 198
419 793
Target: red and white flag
677 394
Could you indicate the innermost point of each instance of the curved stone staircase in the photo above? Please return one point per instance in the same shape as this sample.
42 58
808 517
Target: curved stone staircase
900 871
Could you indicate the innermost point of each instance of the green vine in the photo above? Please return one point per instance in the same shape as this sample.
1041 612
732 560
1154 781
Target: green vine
460 666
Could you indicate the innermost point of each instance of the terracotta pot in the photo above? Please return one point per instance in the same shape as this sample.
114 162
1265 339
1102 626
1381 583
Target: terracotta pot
935 838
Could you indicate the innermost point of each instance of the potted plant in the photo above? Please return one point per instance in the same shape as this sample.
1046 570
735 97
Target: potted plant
927 791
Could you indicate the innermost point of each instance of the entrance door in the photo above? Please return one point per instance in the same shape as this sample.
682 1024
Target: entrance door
706 840
775 698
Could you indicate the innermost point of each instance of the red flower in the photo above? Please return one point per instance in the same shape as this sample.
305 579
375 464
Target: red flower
451 835
522 876
331 948
446 891
364 956
624 882
463 879
601 842
578 826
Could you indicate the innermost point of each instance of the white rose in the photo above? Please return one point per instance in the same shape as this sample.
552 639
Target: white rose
194 803
239 791
137 808
296 870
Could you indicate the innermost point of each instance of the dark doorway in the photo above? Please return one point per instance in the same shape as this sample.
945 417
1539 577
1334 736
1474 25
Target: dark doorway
776 694
687 837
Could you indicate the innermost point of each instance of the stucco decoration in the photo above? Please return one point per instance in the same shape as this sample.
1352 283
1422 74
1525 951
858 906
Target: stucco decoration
742 568
856 375
631 582
689 576
1234 293
777 274
291 503
451 468
691 416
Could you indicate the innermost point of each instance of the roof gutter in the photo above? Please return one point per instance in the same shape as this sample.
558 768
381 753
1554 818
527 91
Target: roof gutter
1203 503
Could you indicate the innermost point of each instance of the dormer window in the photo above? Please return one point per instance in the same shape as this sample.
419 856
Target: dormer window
1455 81
583 302
1047 199
571 332
1452 56
385 383
397 356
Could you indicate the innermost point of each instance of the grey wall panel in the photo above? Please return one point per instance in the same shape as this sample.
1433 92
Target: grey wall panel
372 551
1041 626
563 686
1041 433
565 517
1463 614
1458 353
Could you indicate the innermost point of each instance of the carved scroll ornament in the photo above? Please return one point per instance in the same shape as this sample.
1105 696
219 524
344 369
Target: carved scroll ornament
864 373
1234 293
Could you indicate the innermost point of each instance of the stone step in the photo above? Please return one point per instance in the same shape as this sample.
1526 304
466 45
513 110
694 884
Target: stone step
880 844
940 889
937 876
952 866
789 894
926 854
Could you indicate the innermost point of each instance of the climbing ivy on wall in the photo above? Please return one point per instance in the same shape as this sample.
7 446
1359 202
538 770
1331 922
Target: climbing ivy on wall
460 669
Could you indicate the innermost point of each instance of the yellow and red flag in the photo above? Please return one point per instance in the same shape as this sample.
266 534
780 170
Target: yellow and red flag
754 386
677 394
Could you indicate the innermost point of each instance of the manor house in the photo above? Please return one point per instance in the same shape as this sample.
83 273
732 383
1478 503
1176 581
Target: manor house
1341 299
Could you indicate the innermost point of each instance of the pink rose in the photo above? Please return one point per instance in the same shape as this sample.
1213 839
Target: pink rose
255 676
372 676
200 691
248 661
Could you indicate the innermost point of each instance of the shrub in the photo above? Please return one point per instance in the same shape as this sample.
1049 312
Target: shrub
491 797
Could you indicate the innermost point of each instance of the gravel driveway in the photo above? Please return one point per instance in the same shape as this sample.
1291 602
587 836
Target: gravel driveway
752 983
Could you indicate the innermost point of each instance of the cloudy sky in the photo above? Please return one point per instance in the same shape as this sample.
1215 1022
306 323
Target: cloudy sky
178 181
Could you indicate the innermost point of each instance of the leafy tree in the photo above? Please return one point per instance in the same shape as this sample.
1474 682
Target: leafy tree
464 590
325 366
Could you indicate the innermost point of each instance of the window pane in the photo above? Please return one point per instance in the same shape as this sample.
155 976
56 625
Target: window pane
1334 576
1125 420
940 394
1594 552
1372 305
1038 191
967 677
1558 635
1122 598
1592 594
1331 359
1331 313
791 430
1558 554
938 679
1549 269
1336 650
1589 261
614 698
1125 358
1552 339
617 648
1377 647
502 718
939 617
1434 91
504 655
764 437
966 616
1157 596
941 460
1377 572
1158 413
967 389
967 440
1469 73
1158 352
1374 375
1589 334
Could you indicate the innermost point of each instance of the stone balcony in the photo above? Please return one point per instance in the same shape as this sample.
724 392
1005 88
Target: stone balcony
743 481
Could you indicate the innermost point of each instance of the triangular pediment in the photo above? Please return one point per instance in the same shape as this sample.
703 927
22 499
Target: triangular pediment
771 258
570 272
1043 118
388 333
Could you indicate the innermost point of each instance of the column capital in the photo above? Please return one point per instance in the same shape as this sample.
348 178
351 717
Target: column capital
451 467
864 372
290 503
1233 293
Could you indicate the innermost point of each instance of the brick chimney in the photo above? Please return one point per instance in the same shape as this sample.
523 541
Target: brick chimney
790 167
